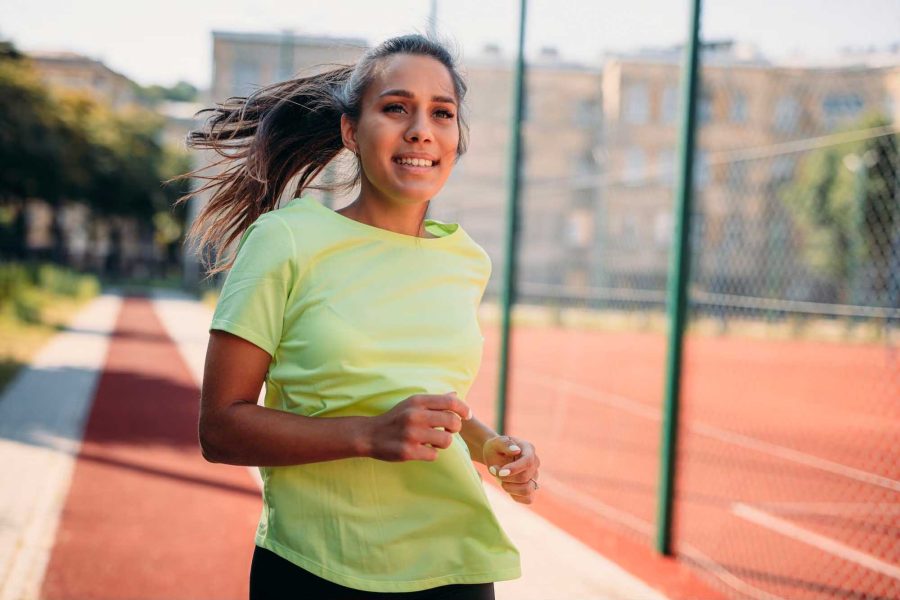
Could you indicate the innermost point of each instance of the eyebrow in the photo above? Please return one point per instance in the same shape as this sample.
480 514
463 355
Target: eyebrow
408 94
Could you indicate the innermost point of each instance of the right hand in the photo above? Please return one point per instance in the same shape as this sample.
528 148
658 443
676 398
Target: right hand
408 431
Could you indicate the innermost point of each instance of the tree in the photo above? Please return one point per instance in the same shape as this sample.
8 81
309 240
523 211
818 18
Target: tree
152 95
844 204
60 145
32 137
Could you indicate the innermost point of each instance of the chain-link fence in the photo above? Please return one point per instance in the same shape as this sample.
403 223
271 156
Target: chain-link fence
788 477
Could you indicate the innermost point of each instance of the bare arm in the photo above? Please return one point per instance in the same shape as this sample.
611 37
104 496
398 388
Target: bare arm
475 434
235 430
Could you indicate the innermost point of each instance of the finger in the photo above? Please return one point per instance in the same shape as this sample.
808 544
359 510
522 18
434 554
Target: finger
506 446
521 464
448 402
449 420
518 489
437 438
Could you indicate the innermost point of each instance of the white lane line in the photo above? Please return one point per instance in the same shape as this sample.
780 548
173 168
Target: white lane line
725 576
186 321
582 572
43 413
596 506
826 544
723 435
832 509
792 455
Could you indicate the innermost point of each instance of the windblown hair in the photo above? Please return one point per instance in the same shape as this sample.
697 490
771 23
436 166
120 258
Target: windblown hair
284 131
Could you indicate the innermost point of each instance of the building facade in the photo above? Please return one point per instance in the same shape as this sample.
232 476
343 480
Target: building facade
599 155
75 71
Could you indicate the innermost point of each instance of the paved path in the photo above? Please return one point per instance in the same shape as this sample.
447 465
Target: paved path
139 513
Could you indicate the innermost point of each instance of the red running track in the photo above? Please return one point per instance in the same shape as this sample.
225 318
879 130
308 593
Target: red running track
146 515
789 476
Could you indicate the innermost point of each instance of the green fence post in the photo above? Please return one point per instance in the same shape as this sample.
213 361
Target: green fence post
512 225
679 275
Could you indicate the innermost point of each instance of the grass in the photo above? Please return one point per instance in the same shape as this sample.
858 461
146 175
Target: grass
36 303
796 328
209 298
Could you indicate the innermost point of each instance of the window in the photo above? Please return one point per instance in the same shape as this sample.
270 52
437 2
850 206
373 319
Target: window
733 233
783 167
889 107
701 168
587 112
705 108
665 166
246 76
787 114
669 113
285 68
637 104
738 110
840 107
579 228
634 165
585 165
662 228
526 104
737 174
630 230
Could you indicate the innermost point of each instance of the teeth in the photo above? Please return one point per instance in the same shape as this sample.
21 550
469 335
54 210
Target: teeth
416 162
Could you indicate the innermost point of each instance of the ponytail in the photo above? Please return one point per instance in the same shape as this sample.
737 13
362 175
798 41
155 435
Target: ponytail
285 130
280 132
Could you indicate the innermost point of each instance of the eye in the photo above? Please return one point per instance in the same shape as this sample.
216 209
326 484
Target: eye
446 114
392 107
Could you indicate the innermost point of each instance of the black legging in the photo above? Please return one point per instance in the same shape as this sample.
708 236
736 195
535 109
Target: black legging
274 578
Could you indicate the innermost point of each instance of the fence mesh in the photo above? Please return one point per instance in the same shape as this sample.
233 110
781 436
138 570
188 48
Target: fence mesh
789 478
788 474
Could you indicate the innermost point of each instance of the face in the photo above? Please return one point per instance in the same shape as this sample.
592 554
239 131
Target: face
407 133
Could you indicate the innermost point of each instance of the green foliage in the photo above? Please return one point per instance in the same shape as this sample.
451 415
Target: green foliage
117 164
26 289
67 144
154 94
843 203
33 139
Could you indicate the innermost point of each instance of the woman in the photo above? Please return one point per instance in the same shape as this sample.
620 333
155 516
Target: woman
362 323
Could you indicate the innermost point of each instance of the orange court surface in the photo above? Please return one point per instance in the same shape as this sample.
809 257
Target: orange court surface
788 483
788 480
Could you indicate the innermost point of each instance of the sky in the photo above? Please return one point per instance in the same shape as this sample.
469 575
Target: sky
165 41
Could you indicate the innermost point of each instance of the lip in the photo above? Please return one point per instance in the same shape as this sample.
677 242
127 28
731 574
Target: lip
434 160
414 170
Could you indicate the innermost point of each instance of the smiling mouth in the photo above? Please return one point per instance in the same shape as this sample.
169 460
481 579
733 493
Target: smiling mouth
416 162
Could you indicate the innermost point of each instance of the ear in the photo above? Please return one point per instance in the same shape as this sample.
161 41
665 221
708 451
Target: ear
348 134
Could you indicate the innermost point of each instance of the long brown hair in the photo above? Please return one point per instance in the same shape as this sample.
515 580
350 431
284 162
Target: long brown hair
282 131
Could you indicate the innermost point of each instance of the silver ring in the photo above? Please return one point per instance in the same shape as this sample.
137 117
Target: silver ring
536 486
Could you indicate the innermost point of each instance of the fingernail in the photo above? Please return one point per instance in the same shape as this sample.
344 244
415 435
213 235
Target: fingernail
493 470
471 414
503 472
514 448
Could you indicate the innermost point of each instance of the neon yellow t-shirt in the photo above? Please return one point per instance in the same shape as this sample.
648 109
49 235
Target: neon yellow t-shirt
358 318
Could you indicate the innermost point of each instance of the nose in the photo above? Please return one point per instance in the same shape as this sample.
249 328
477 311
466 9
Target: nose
419 129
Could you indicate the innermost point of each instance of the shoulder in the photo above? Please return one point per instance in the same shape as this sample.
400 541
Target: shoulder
268 234
267 249
474 254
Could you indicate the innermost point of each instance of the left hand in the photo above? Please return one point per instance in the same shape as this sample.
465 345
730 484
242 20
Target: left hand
515 464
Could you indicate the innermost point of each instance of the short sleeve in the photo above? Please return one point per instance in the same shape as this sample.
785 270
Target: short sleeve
253 299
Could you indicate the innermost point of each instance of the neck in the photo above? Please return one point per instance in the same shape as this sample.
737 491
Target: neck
376 210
